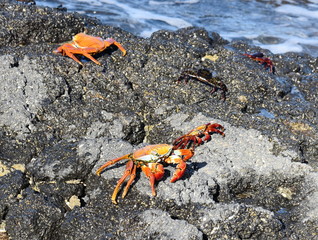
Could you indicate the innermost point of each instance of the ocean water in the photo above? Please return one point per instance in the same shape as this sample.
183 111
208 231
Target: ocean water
278 25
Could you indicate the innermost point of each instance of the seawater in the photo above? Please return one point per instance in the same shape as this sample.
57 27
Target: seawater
278 25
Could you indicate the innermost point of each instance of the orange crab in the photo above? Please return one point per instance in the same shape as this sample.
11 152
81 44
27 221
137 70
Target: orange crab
150 160
86 45
194 137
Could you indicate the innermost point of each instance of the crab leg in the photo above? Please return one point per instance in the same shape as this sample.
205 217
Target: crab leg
130 181
69 50
64 51
111 162
90 57
83 51
154 171
151 177
72 56
110 41
129 166
194 137
186 141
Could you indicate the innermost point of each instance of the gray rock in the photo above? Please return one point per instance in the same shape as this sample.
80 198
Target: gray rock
63 121
21 95
159 223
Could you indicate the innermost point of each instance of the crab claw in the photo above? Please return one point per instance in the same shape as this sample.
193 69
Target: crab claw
181 165
154 171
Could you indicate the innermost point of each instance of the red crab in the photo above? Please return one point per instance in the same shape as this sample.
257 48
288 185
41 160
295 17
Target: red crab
266 62
205 76
86 45
194 137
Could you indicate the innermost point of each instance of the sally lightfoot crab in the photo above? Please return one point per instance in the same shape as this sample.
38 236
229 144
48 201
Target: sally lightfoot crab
195 136
205 76
87 45
150 160
266 62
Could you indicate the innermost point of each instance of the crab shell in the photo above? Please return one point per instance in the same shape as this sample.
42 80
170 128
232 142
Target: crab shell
86 45
150 159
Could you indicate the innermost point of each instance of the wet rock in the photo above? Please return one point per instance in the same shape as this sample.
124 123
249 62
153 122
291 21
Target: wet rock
23 24
16 152
92 225
66 194
62 121
11 183
33 217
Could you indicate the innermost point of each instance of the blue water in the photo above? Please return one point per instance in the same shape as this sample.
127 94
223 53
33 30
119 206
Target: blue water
280 26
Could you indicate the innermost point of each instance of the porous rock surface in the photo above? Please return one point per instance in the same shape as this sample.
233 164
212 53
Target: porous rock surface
60 121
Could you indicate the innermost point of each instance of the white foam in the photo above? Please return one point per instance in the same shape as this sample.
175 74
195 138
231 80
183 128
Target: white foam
293 25
140 14
95 3
282 47
147 32
296 10
173 2
292 44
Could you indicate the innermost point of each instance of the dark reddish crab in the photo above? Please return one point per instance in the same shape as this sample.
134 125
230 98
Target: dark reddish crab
266 62
205 76
195 136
